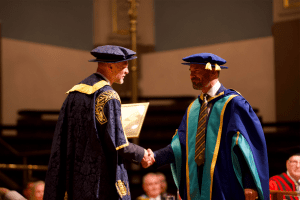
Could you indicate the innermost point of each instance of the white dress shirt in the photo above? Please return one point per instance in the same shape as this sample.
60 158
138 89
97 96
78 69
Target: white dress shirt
297 183
212 92
156 198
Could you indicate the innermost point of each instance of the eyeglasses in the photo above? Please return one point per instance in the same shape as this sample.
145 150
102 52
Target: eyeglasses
294 162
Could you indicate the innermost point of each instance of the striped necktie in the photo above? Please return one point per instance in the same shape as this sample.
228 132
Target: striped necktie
200 137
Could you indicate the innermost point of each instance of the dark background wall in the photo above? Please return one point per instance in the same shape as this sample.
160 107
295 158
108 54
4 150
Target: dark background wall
178 24
188 23
67 23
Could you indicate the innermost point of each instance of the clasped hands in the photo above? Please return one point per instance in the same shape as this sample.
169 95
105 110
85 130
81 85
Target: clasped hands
148 159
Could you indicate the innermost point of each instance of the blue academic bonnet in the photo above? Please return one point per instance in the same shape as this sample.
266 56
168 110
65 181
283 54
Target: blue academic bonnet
207 59
112 54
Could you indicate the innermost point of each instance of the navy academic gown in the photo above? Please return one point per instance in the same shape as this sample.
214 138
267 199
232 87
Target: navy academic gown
89 146
235 155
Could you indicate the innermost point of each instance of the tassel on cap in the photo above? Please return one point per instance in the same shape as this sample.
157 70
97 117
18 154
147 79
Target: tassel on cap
208 66
217 67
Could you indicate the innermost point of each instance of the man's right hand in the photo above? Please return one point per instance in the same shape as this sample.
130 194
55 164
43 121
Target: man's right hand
148 159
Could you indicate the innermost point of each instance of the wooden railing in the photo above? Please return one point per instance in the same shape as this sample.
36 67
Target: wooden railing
25 167
279 195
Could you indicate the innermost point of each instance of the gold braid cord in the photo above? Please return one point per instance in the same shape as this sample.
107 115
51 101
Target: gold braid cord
100 103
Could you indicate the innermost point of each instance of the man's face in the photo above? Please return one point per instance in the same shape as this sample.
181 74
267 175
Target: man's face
163 183
39 191
200 76
120 70
152 186
293 167
27 191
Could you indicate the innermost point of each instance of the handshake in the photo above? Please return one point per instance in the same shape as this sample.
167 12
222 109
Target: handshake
148 159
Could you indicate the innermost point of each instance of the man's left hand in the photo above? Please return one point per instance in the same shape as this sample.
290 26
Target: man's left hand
251 194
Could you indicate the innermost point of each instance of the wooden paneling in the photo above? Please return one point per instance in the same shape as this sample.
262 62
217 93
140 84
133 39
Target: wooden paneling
287 70
0 77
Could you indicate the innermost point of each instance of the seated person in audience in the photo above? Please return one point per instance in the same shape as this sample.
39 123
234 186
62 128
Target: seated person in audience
152 188
37 191
163 185
3 191
28 187
289 180
6 194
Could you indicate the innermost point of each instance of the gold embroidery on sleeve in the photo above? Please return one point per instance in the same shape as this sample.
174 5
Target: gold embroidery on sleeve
123 145
126 144
122 190
101 100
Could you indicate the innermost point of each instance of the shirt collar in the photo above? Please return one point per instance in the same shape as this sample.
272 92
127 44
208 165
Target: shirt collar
103 77
213 91
296 182
156 198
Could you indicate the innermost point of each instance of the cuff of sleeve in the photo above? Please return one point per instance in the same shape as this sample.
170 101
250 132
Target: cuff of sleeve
140 154
164 156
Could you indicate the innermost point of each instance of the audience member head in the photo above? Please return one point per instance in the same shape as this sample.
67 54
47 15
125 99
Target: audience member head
151 185
163 182
37 191
28 187
3 191
293 163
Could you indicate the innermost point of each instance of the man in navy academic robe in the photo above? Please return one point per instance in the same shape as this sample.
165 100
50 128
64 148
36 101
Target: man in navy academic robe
236 163
89 144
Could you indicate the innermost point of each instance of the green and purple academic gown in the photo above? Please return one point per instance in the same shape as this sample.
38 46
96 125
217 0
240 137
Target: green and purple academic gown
233 136
89 146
